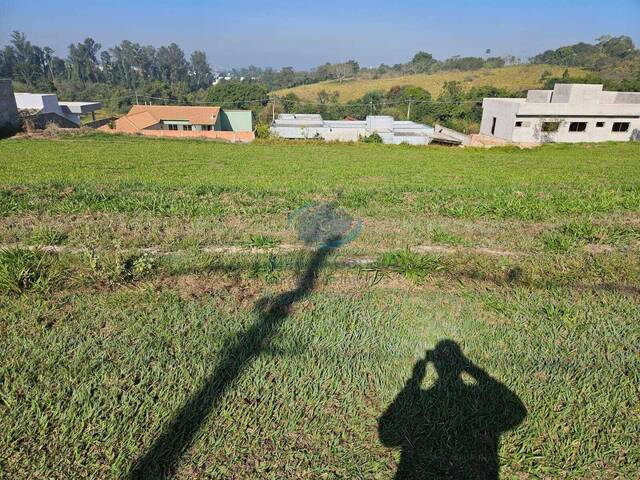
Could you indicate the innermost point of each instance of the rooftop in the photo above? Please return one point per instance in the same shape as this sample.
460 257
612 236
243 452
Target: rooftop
156 113
576 94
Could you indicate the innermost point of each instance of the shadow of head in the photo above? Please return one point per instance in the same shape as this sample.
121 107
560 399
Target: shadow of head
448 360
451 429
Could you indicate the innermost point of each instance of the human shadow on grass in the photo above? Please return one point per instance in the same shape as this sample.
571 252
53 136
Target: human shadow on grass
451 430
162 458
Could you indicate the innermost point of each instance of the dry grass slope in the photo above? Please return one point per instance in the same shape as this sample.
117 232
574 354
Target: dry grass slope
520 77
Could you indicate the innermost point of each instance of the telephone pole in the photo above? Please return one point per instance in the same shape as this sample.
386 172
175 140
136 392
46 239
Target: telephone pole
409 110
273 109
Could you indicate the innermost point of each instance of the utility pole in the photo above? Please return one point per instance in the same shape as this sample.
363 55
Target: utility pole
136 92
409 110
273 109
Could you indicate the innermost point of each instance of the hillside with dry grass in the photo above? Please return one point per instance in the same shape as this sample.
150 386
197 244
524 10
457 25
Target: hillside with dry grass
518 77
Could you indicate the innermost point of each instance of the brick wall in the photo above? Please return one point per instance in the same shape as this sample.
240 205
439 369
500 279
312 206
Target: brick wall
233 137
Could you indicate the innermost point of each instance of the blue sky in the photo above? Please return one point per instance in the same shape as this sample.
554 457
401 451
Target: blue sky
304 34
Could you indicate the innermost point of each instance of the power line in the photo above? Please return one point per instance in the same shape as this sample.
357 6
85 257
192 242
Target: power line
267 100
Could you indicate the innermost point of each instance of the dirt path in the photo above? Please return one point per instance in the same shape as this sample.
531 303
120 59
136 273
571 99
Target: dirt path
284 248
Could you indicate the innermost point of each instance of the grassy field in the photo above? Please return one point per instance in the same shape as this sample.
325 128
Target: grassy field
520 77
160 318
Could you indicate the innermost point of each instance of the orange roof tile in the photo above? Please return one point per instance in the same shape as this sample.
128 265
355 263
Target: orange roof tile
141 115
142 120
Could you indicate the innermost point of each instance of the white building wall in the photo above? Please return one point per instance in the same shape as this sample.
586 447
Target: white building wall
391 132
44 103
531 131
504 111
521 120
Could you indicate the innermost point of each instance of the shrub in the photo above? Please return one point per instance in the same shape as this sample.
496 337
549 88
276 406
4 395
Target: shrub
52 130
373 138
263 131
120 267
22 269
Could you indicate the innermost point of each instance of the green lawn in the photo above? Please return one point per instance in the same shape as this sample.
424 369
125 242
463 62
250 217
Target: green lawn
160 318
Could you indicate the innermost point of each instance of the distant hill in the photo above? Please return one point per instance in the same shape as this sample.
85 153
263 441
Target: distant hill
517 77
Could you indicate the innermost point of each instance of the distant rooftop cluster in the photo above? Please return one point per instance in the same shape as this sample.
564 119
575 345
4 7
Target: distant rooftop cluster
313 126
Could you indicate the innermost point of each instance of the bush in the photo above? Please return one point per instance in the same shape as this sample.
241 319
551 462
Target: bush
120 267
373 138
22 269
263 131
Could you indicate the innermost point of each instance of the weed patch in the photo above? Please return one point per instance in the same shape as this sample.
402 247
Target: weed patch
22 270
415 267
47 235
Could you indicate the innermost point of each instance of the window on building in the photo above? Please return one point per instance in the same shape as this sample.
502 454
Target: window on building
620 127
206 128
550 126
172 126
518 124
577 126
599 124
187 127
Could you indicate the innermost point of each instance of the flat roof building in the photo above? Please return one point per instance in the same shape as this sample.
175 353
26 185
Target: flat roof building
313 126
568 113
47 103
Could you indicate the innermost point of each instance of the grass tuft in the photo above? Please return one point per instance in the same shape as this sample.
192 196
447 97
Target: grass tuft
262 241
22 270
47 235
413 266
439 235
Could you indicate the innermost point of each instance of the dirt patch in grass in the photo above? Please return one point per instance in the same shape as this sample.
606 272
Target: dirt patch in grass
596 248
193 287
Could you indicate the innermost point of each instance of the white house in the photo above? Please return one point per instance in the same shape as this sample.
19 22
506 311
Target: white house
568 113
310 126
47 103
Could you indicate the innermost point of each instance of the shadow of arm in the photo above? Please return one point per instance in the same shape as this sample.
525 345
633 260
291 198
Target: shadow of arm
506 408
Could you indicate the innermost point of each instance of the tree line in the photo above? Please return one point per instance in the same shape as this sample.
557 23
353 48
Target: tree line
130 72
455 106
127 64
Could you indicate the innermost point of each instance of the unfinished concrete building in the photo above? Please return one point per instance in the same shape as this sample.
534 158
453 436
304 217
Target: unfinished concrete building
569 113
313 126
9 119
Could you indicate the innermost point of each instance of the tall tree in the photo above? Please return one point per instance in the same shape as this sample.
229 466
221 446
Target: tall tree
422 62
7 62
201 75
83 60
172 64
25 66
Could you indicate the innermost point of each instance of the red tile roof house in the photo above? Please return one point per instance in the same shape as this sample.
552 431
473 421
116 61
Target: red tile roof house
186 122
